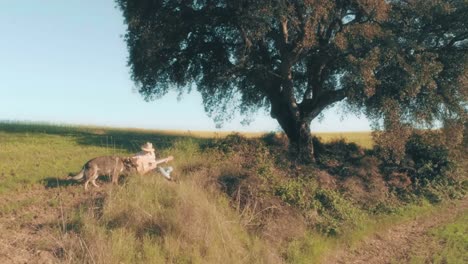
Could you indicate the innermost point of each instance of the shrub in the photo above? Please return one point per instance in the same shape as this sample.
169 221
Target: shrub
336 213
297 192
399 180
341 151
390 144
249 152
426 170
276 139
429 160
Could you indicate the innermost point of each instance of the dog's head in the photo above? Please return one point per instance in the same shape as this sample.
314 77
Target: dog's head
129 163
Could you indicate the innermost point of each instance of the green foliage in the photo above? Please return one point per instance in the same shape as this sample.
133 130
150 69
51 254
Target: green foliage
429 159
397 61
230 143
444 189
253 152
337 213
334 213
184 151
338 156
425 169
298 192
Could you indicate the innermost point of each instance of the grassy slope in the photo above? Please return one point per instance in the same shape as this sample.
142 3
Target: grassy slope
149 219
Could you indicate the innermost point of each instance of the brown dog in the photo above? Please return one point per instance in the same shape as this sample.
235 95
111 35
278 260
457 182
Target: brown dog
112 166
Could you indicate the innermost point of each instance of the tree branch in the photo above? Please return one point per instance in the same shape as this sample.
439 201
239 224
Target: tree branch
297 46
446 47
312 108
452 42
284 30
329 32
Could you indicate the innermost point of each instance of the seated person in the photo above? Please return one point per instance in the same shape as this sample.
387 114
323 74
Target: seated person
146 161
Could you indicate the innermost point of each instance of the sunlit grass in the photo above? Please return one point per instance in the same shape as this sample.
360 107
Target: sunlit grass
363 139
29 158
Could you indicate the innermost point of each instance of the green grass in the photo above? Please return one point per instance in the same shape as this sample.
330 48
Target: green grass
454 240
450 243
44 154
30 158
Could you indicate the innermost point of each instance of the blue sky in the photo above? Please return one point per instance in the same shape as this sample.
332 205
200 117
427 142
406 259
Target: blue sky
65 62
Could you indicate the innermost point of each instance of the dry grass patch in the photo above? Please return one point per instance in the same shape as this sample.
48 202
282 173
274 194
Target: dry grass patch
151 220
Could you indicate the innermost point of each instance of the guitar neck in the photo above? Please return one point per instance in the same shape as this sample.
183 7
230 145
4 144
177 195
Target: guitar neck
162 160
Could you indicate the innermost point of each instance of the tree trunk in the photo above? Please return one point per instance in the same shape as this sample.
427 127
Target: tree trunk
298 132
300 141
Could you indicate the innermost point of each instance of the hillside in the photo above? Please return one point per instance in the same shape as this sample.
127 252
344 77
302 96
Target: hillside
236 200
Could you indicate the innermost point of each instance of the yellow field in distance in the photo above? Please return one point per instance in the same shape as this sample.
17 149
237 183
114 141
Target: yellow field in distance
363 138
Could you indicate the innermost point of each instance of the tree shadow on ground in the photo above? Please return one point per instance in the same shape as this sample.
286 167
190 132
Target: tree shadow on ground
128 140
54 182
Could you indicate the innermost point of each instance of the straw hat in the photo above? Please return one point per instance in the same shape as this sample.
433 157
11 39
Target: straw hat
147 147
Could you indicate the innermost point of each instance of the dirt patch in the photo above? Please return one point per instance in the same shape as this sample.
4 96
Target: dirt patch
396 244
31 222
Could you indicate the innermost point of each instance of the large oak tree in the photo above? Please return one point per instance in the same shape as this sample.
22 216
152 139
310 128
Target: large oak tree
402 62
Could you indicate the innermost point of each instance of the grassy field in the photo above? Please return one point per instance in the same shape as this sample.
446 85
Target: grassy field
26 150
235 201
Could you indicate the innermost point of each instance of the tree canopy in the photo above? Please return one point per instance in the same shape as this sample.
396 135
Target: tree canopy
400 61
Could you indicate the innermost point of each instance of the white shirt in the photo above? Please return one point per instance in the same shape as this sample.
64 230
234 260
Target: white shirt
146 161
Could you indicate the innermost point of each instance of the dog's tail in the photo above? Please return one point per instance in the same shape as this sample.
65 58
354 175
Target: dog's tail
78 176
